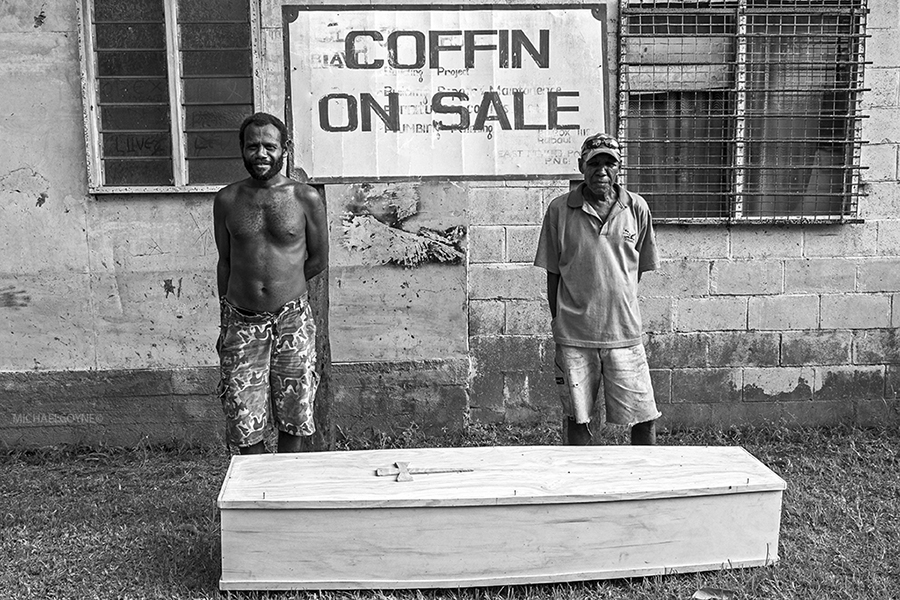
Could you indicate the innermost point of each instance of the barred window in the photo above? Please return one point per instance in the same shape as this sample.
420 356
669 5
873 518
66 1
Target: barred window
167 84
743 110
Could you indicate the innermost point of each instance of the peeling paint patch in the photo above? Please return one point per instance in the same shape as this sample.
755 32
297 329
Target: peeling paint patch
170 288
42 199
24 180
10 297
40 18
372 227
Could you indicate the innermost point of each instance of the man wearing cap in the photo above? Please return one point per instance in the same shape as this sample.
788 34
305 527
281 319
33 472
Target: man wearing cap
595 243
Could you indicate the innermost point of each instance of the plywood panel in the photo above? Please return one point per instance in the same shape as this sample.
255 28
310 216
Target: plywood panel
499 475
497 516
496 545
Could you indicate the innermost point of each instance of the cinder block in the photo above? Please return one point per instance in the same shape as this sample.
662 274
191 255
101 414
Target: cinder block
880 158
527 317
662 386
816 347
879 275
892 382
884 15
530 398
895 310
705 386
889 237
678 278
548 354
878 413
736 414
765 242
685 242
881 47
877 347
487 399
848 383
486 244
507 281
711 314
486 317
852 239
783 312
882 202
506 354
725 416
884 89
778 384
685 416
827 413
521 243
749 277
883 124
392 396
744 348
551 193
855 311
505 206
677 350
821 275
404 374
657 314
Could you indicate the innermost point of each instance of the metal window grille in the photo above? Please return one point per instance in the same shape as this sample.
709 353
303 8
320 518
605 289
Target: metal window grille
743 110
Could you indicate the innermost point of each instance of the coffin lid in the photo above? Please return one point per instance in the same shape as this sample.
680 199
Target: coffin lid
499 475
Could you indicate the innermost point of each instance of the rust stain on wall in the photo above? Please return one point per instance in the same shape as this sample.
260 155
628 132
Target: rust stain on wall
10 297
373 227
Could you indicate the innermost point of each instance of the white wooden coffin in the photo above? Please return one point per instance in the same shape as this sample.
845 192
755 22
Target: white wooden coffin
497 516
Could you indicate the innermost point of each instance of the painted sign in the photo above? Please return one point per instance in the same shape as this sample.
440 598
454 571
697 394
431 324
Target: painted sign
478 91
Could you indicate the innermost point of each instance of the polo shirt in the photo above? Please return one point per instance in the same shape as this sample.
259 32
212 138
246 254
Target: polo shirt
598 263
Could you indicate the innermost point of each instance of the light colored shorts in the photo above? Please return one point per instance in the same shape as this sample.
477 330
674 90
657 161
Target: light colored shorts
626 383
268 370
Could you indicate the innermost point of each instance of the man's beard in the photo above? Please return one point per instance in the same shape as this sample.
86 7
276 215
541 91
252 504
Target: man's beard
609 192
274 169
606 192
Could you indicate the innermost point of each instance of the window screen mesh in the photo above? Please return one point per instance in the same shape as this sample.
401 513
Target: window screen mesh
743 110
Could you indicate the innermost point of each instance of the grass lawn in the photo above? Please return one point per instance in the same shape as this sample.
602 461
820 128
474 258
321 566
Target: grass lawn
142 522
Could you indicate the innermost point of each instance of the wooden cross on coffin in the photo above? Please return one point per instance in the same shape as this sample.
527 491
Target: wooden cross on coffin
404 473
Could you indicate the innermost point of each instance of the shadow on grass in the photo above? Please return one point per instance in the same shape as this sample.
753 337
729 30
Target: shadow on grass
186 557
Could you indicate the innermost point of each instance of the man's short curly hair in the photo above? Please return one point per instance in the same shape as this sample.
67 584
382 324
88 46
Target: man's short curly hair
262 119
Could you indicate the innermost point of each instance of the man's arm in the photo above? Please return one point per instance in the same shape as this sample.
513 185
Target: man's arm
223 244
316 233
552 290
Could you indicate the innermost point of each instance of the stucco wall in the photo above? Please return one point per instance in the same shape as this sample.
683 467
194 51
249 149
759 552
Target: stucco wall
107 304
108 307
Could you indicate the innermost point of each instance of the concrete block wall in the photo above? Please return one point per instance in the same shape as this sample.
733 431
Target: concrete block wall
509 321
787 324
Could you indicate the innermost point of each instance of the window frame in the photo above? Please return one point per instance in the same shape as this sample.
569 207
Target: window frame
736 194
89 93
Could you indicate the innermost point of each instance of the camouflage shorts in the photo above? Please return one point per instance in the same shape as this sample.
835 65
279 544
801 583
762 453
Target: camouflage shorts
267 363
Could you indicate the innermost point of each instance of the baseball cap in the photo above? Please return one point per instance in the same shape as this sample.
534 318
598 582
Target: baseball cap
600 143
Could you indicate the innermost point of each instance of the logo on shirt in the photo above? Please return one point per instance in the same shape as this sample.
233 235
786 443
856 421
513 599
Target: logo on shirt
629 236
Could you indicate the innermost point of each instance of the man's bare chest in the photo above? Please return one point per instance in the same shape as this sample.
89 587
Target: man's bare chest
279 222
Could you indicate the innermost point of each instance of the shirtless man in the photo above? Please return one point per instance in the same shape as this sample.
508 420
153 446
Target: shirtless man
272 237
